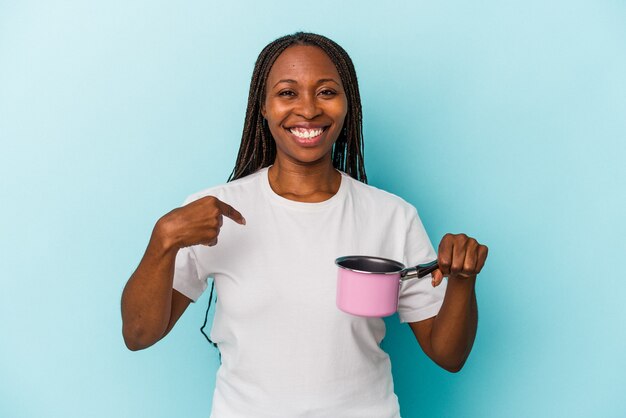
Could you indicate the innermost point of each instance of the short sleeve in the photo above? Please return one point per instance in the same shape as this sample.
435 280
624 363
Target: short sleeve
186 279
419 300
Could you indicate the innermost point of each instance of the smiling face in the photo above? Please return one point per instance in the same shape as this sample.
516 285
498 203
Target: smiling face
305 105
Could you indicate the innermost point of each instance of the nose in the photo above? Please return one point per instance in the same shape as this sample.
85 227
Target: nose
308 106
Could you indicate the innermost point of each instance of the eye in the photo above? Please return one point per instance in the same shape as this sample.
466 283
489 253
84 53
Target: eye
286 93
328 92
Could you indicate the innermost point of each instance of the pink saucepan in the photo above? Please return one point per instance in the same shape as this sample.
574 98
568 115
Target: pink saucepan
369 286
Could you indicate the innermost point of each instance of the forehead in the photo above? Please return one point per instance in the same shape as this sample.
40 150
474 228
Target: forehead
303 63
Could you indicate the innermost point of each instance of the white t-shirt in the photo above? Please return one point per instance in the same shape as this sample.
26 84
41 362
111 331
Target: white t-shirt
287 350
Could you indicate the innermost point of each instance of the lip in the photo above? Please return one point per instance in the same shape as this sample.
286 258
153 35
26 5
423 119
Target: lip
307 125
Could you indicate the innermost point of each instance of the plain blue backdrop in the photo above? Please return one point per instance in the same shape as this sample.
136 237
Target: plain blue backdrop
502 119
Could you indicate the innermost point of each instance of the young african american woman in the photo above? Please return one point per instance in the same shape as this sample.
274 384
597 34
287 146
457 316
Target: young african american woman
296 200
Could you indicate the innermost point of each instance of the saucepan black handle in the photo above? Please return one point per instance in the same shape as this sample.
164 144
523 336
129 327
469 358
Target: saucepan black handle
419 271
424 269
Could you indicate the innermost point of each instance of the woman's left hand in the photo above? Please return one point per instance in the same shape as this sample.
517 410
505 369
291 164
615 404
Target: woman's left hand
459 256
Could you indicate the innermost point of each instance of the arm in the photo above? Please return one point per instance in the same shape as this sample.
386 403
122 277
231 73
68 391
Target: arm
448 337
150 307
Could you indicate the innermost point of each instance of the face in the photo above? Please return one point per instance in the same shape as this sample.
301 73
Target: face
305 105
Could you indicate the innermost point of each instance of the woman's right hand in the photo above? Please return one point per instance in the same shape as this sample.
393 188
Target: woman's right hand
197 223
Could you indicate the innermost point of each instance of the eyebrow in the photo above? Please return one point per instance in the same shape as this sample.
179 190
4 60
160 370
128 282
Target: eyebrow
320 81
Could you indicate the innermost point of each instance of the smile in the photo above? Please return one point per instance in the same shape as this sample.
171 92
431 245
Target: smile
304 133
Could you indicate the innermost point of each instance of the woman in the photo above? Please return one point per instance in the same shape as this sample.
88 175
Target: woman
295 203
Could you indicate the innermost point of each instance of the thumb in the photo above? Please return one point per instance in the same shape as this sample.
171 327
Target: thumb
437 277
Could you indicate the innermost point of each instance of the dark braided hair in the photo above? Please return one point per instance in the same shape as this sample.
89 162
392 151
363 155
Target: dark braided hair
258 150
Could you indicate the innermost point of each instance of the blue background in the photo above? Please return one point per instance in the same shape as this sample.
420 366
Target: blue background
502 119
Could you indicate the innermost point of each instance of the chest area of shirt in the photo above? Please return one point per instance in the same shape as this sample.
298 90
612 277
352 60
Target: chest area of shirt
285 258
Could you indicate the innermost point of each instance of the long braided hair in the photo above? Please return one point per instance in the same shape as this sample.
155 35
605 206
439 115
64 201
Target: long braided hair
258 150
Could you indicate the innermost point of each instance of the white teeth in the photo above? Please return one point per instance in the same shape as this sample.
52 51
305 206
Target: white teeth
306 133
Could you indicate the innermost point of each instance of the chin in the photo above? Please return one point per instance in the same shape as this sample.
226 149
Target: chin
305 158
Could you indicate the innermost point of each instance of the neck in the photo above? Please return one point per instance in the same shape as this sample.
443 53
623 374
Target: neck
304 182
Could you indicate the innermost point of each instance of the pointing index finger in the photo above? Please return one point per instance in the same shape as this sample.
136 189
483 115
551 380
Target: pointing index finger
232 213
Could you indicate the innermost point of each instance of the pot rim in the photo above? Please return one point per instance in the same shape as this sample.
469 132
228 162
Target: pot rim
401 267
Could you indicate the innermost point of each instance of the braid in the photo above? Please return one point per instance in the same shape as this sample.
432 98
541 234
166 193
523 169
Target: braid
258 150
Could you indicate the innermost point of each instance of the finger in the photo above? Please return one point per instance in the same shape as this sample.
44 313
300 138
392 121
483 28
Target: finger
210 238
209 242
458 255
444 257
232 213
471 257
482 257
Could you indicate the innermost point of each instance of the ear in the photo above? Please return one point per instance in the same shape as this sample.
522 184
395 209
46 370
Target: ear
263 112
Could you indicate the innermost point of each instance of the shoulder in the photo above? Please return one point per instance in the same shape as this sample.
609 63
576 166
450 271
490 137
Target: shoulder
379 199
233 189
